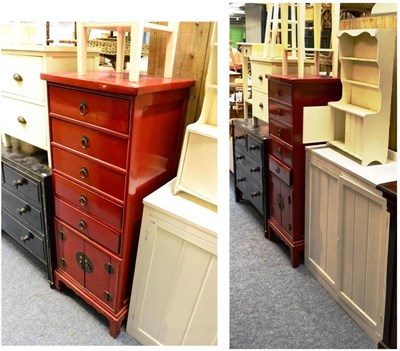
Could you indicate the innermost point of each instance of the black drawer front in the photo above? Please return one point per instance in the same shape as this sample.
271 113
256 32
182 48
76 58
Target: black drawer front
254 149
22 210
240 137
253 168
20 184
250 191
30 240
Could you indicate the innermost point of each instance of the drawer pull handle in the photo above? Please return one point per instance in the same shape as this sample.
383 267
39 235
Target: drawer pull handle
279 151
84 173
17 77
241 179
279 132
82 224
277 170
261 105
84 141
238 137
254 147
255 169
279 112
83 200
260 77
240 157
27 237
21 120
255 194
18 182
107 296
279 92
23 209
83 108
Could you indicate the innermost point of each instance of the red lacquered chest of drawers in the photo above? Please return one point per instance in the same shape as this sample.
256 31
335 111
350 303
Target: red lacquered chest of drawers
113 142
288 95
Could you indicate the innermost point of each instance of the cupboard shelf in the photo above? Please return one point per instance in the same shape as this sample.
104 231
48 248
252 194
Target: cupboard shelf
364 84
353 109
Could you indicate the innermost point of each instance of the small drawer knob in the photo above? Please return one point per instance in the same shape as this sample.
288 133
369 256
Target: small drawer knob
241 179
260 77
255 194
23 209
17 77
239 137
279 132
21 120
17 183
84 173
278 150
261 105
279 112
83 200
240 157
27 237
277 170
82 224
255 169
279 92
84 141
83 108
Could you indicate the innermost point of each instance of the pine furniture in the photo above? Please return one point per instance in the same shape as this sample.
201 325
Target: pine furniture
346 233
23 98
174 292
113 143
288 96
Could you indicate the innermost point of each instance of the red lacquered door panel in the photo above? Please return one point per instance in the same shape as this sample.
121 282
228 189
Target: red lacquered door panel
90 142
274 198
101 110
88 200
287 218
68 245
89 173
87 225
101 281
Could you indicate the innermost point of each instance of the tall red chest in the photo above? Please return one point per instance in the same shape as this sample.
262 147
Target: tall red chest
113 142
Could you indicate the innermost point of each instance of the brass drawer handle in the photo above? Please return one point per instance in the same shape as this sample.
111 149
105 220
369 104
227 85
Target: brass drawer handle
18 182
27 237
254 147
260 77
255 169
23 209
84 141
83 200
84 173
261 105
83 108
21 120
17 77
82 224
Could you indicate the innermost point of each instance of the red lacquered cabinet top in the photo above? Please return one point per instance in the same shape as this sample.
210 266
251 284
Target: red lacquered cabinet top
114 142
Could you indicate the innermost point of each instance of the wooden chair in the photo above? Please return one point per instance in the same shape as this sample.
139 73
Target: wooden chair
136 30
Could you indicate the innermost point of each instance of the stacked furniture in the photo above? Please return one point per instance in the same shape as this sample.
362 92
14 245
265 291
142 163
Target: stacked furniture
288 97
347 227
113 143
23 95
27 206
174 291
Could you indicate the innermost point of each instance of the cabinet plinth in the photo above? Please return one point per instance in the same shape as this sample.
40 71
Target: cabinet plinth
141 127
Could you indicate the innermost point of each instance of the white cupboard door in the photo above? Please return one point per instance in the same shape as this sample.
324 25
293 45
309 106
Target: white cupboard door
174 294
363 223
321 250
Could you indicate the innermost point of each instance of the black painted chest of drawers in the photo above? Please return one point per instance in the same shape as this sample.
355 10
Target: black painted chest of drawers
250 151
26 206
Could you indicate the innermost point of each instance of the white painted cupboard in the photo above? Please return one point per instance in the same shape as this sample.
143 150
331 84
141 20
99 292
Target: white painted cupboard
346 232
174 292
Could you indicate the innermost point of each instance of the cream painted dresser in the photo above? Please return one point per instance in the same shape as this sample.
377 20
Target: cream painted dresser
23 101
346 232
174 292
